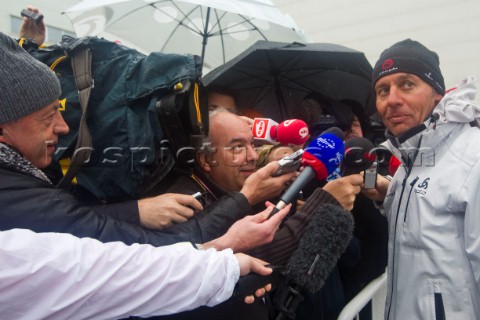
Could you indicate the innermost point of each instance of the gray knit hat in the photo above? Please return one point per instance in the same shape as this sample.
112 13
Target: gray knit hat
26 84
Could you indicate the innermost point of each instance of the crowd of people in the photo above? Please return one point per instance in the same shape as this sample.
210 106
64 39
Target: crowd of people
173 256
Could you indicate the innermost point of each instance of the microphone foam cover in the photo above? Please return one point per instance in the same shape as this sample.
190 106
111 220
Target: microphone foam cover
393 165
328 149
358 155
292 131
324 240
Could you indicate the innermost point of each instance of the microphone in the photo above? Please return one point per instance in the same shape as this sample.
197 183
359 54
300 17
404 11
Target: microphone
358 156
291 131
320 158
393 165
322 243
324 240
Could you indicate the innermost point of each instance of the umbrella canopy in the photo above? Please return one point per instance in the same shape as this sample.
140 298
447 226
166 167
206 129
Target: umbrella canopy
274 77
217 30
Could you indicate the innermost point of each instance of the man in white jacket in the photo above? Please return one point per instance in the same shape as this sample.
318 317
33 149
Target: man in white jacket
59 276
433 202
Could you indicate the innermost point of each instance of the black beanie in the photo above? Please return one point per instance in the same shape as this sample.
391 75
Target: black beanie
410 56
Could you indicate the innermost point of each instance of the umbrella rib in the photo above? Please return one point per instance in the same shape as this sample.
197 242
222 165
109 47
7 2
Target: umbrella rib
263 93
180 22
129 13
248 20
220 31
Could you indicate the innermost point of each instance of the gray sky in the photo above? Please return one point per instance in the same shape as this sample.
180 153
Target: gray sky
448 27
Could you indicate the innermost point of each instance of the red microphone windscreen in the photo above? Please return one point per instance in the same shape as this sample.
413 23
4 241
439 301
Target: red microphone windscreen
292 131
393 165
321 171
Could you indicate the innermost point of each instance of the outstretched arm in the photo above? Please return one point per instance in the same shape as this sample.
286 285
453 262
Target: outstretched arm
251 231
59 276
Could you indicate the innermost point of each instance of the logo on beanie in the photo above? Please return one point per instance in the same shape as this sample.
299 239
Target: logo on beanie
387 64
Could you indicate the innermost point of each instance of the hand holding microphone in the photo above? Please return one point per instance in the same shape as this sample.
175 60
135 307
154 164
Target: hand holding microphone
345 189
323 242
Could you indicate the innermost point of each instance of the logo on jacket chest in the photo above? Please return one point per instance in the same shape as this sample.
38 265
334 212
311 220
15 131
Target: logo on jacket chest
422 187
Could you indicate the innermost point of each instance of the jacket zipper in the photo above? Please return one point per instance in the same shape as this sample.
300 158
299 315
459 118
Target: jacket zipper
404 182
408 170
439 307
412 184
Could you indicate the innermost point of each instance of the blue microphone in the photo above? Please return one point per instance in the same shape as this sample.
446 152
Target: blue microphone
321 157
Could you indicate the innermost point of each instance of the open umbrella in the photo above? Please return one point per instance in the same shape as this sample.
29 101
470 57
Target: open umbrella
274 77
217 30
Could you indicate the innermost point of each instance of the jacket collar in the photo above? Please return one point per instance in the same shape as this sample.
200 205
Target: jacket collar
208 184
11 159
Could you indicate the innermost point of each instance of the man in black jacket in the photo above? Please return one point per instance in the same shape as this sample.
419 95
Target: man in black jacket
30 124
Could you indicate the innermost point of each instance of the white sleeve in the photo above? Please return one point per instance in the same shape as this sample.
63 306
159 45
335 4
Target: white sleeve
59 276
472 221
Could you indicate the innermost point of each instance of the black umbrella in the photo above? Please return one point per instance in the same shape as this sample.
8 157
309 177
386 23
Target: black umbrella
274 77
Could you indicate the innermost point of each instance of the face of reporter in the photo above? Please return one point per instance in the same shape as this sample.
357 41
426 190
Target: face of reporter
355 129
404 101
221 100
234 158
35 136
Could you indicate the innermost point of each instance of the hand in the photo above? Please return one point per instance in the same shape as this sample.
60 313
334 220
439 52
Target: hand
380 190
162 211
261 186
250 264
34 30
251 231
345 189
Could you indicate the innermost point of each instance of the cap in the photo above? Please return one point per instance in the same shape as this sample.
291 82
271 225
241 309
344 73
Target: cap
27 84
410 56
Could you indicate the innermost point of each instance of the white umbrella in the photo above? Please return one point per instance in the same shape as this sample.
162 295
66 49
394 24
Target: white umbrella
217 30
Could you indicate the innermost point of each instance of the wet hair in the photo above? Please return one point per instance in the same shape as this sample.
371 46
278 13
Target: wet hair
207 147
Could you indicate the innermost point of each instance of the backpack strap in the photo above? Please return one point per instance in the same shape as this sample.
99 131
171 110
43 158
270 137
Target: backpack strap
81 60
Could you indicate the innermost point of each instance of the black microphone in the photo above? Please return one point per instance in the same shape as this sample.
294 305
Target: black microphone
358 156
320 158
323 242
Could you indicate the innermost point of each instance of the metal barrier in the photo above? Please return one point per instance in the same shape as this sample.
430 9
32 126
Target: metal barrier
376 292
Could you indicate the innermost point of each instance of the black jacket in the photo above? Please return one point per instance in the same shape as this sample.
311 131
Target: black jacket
32 203
277 252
